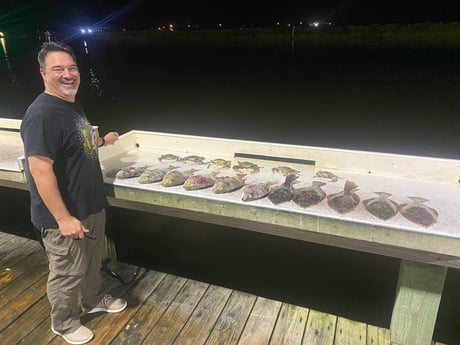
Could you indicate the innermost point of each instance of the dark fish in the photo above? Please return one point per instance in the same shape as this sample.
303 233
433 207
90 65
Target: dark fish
419 213
176 177
381 207
309 196
256 191
345 201
200 181
154 175
131 171
283 193
227 184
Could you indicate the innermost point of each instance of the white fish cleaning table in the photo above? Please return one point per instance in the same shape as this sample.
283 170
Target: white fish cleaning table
425 252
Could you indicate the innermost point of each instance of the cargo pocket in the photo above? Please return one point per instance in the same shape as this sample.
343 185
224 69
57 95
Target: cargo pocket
58 249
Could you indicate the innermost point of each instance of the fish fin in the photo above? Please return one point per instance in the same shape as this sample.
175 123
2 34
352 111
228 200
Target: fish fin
418 199
350 186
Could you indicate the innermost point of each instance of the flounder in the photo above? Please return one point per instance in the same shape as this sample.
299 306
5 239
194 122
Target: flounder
345 201
309 196
131 171
154 175
195 182
227 184
256 191
284 192
419 213
381 207
176 177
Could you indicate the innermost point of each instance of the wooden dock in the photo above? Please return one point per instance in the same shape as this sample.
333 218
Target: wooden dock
165 309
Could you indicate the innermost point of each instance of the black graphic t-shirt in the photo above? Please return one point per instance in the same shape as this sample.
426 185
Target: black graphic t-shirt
59 130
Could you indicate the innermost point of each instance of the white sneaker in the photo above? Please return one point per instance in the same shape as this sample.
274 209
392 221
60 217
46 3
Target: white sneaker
80 336
108 304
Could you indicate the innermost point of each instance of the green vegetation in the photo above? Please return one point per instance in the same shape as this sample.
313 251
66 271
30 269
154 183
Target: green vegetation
416 35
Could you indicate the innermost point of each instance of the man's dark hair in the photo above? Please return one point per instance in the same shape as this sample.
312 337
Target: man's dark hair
53 47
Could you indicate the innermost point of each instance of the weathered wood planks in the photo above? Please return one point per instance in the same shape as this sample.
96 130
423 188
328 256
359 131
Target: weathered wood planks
167 309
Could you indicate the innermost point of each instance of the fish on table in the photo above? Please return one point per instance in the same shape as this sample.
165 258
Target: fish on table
284 192
256 191
309 196
131 171
346 200
176 177
381 207
417 212
203 181
151 175
228 184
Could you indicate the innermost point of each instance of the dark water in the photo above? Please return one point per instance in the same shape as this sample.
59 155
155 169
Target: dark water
401 100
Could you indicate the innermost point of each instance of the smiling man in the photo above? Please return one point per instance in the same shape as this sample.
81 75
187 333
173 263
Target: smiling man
67 194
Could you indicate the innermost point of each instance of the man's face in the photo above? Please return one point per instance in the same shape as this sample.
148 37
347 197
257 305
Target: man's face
61 76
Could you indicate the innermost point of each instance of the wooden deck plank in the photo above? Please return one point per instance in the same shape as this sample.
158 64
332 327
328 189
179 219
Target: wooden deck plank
24 273
177 314
107 326
290 327
18 305
168 310
203 318
320 328
261 322
26 323
350 332
229 326
147 314
377 336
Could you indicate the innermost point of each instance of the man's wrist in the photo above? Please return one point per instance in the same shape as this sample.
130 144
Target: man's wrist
102 142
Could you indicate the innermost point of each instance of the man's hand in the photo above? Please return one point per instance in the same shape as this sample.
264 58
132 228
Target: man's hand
71 227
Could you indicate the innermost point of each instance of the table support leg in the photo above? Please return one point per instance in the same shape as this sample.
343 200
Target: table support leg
418 295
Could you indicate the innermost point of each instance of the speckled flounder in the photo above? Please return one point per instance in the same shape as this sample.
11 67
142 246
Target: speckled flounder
256 191
418 213
200 181
154 175
345 201
131 171
309 196
176 177
283 193
227 184
382 207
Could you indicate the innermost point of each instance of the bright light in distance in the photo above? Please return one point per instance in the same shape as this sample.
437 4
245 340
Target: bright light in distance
86 30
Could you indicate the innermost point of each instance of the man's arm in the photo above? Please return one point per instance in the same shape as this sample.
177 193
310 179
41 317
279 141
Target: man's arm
41 169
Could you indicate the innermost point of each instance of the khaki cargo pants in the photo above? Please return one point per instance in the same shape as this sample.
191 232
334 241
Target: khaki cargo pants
74 268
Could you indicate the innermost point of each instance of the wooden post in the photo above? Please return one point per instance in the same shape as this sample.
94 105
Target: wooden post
417 301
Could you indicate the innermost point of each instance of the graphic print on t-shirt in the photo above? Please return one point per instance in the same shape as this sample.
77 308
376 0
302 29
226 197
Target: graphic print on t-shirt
88 137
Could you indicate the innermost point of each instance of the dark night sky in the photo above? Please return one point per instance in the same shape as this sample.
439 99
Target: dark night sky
22 14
